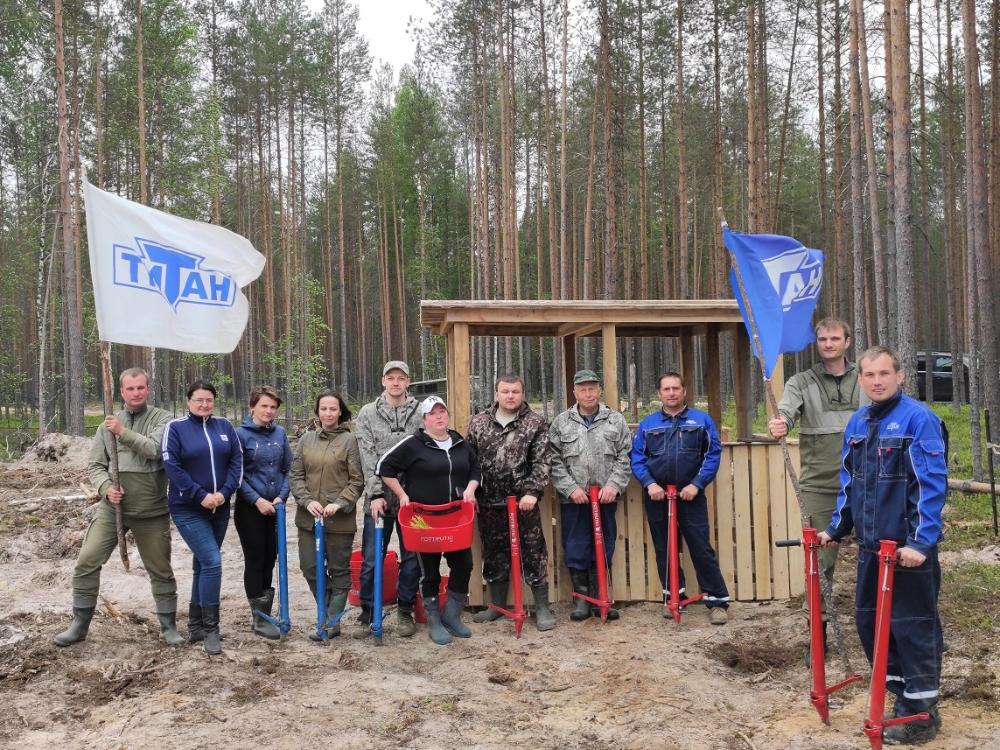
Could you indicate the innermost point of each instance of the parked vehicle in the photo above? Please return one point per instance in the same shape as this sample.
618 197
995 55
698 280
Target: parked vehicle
941 369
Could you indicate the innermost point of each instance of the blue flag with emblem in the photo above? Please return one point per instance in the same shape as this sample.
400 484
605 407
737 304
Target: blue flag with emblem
782 279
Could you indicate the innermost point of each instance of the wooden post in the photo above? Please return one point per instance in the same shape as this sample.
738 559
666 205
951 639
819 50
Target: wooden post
713 375
687 363
741 382
569 365
610 359
459 385
109 409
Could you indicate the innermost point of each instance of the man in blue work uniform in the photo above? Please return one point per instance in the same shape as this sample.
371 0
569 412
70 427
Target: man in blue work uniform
679 445
893 484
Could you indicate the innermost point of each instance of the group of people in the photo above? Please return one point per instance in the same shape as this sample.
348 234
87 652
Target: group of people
879 471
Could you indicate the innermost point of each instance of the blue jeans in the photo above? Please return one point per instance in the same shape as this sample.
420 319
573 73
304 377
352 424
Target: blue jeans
203 533
578 534
409 567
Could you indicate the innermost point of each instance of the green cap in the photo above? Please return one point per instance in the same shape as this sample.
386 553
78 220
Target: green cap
585 376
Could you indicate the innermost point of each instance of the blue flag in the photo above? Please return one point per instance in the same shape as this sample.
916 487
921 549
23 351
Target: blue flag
782 281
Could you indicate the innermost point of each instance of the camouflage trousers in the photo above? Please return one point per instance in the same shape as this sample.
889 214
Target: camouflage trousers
496 544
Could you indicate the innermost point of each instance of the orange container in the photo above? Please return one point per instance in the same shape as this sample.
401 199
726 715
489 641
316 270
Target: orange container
445 528
419 613
390 571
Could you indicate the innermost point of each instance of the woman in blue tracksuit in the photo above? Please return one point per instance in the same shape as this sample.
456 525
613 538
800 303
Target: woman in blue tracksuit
204 463
267 458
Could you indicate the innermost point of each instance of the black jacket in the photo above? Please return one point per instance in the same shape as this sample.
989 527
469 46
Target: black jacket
431 475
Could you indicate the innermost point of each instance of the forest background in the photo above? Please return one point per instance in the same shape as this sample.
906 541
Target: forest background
532 149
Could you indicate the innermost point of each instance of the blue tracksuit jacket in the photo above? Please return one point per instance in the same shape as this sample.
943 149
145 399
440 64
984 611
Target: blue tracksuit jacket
201 455
893 477
267 459
677 450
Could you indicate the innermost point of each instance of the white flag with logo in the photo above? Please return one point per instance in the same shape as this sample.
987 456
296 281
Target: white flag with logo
164 281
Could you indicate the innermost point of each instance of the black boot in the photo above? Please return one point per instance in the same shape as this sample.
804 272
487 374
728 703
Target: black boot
268 597
196 624
77 630
914 733
364 628
498 596
596 611
435 629
259 625
168 628
212 639
451 616
405 624
581 607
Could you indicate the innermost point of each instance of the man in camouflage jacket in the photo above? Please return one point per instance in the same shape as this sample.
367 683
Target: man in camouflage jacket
590 445
512 443
378 427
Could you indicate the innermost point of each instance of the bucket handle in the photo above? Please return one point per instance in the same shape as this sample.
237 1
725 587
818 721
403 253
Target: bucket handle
437 509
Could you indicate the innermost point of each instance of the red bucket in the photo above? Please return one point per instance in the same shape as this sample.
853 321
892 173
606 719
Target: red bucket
390 570
447 527
419 613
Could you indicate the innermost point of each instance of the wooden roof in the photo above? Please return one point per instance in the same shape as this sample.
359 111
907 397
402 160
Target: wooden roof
577 317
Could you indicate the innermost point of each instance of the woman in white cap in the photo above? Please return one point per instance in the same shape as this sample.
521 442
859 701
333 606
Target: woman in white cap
440 466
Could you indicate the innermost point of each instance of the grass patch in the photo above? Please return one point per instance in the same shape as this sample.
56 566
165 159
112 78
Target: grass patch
970 595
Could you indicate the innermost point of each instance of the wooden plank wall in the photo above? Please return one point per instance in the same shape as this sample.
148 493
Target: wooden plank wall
751 505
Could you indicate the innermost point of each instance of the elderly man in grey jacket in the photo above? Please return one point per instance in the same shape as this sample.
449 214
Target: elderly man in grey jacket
378 427
590 445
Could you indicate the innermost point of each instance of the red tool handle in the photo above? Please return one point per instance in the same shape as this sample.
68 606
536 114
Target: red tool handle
673 560
602 564
518 615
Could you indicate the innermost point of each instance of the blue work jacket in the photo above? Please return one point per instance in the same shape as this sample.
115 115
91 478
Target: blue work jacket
893 476
201 455
267 459
679 450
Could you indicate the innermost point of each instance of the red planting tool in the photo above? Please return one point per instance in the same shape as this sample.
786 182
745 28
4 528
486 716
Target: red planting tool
603 600
817 648
875 724
675 602
518 615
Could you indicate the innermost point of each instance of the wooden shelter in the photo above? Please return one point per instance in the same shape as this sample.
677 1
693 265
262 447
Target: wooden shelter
751 504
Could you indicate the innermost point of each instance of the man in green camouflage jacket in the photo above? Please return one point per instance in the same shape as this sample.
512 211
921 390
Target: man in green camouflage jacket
512 442
143 498
590 445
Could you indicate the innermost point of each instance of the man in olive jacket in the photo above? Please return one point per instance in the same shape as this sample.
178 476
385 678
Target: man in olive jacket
590 445
512 442
143 499
822 400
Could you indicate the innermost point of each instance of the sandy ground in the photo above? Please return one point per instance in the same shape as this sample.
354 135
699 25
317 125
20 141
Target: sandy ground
641 682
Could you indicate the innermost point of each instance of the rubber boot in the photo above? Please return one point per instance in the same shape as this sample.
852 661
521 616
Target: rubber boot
435 629
544 619
168 628
406 626
268 597
581 607
334 607
261 626
498 596
77 630
596 611
451 616
213 641
364 628
196 624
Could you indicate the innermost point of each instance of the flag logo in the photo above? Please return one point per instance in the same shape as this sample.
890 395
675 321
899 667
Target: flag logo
175 275
796 275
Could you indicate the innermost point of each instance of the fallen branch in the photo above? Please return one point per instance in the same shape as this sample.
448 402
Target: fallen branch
51 499
969 485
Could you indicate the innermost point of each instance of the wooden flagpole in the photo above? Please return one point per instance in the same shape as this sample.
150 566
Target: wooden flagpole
793 475
109 409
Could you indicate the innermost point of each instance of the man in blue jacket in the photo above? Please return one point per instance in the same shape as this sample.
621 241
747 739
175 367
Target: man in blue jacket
679 445
893 484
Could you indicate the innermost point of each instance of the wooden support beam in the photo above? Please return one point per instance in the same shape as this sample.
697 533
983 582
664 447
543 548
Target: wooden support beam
687 364
459 384
569 367
610 359
741 382
713 375
578 329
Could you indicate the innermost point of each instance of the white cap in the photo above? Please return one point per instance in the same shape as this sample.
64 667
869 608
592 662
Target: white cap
429 403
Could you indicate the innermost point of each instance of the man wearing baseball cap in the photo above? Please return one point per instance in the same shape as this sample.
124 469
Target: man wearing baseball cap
590 445
379 426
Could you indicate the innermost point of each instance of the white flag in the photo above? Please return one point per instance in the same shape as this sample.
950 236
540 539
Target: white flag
164 281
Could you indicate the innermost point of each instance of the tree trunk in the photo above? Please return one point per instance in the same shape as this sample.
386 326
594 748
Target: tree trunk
682 196
857 218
